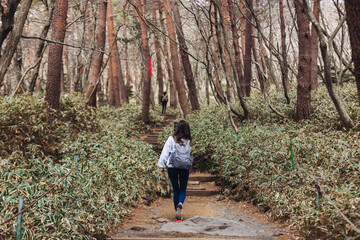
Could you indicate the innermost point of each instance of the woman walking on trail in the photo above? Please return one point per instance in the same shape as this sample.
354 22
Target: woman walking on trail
177 158
164 100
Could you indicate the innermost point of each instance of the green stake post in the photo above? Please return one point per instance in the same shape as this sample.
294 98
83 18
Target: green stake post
77 164
237 137
18 228
292 156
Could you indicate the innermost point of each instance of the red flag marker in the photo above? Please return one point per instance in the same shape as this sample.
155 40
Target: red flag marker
150 67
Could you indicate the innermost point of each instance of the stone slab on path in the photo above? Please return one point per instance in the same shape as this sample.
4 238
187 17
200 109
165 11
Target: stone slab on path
222 227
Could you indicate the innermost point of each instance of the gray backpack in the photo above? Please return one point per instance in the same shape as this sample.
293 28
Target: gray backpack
180 156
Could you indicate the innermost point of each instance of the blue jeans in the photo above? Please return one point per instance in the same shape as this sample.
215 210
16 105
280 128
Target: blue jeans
178 175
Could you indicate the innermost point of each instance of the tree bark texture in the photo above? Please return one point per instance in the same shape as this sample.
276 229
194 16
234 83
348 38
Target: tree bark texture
225 22
284 66
184 104
216 49
7 19
114 74
146 56
242 28
315 48
94 75
248 47
238 57
159 71
194 100
13 39
303 104
353 21
52 95
127 67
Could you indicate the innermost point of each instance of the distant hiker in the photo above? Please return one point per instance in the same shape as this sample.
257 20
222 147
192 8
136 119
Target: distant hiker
164 100
176 156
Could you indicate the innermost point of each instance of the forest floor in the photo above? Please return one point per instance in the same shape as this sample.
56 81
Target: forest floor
204 217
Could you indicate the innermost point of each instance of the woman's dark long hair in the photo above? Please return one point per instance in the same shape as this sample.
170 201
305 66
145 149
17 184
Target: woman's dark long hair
182 131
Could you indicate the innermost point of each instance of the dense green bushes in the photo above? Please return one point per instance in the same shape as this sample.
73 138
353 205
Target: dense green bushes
40 148
257 167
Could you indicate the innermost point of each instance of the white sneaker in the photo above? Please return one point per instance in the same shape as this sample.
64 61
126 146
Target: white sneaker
178 214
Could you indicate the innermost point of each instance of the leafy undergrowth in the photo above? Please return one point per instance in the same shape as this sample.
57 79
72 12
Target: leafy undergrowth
39 148
257 166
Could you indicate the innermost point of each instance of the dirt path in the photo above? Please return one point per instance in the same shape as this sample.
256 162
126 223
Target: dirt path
204 217
207 215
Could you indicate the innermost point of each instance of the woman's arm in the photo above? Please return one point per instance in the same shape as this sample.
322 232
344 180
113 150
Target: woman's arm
165 153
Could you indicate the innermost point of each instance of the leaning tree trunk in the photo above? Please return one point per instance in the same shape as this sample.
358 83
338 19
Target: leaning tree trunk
175 62
114 88
98 55
52 95
185 58
159 71
314 48
303 104
248 47
284 66
353 20
8 51
146 56
39 50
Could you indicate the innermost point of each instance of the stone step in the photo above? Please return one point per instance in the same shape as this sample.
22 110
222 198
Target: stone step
153 135
190 188
201 193
202 178
193 182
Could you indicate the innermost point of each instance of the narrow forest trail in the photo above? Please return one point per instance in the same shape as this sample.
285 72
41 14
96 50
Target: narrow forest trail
207 214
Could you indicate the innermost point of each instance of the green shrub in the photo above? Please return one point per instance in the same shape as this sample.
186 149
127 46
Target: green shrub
258 168
114 172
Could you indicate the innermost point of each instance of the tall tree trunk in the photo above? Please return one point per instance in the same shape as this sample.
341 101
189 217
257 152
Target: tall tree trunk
242 28
327 50
159 71
238 60
98 55
248 47
184 104
146 56
136 83
127 68
284 65
216 50
185 58
114 78
229 83
172 90
259 71
303 104
8 51
314 48
353 20
52 95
